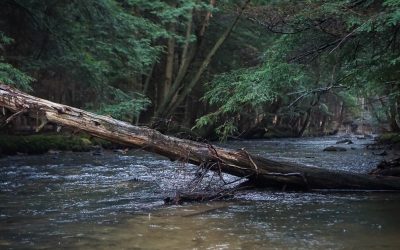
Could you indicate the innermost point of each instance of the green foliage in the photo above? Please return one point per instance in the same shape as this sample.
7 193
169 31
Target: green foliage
241 90
100 40
390 138
206 120
12 76
324 109
104 45
330 43
94 44
9 74
4 40
225 130
125 109
350 101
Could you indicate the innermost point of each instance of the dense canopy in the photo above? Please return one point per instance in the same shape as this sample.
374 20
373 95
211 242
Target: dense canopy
225 68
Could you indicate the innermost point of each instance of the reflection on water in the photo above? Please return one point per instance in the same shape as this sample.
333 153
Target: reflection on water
285 221
310 152
76 200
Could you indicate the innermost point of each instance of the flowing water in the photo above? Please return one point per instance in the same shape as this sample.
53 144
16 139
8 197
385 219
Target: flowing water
113 201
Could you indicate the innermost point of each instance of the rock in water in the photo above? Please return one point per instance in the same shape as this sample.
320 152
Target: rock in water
335 149
344 141
53 152
381 153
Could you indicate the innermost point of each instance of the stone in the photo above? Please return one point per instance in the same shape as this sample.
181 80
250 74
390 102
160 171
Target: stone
344 141
334 149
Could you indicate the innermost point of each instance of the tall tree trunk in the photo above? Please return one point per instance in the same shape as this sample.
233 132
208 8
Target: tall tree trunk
307 120
169 65
187 55
145 89
305 124
322 124
394 126
207 19
340 117
188 88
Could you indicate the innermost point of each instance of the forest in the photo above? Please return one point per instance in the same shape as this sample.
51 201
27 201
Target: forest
215 69
279 115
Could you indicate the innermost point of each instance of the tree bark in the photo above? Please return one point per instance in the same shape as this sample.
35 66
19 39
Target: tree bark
207 19
169 66
394 126
188 88
305 124
340 117
187 56
260 171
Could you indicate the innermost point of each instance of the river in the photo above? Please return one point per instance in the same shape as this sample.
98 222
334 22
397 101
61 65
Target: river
115 201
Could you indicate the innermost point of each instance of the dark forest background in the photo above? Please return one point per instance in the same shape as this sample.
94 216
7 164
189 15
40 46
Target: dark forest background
211 68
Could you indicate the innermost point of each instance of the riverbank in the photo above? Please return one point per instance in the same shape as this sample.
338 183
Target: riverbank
12 144
43 143
390 139
387 145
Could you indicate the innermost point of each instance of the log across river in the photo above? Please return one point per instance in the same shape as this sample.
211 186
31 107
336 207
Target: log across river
261 172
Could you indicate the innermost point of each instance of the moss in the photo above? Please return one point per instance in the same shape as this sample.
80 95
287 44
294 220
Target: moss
103 143
42 143
38 144
391 138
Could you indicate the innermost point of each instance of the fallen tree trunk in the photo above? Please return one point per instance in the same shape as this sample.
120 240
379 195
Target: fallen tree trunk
260 171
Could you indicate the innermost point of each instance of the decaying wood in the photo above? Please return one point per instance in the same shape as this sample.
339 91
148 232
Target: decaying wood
260 171
387 168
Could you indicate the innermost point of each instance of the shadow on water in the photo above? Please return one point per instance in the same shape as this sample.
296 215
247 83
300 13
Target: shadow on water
77 200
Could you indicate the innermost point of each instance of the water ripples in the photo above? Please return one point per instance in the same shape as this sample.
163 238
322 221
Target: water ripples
66 197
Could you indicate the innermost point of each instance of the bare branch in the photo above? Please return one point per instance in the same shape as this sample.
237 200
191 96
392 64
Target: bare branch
13 116
322 90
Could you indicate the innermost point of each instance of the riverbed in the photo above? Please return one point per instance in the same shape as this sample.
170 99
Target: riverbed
115 201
